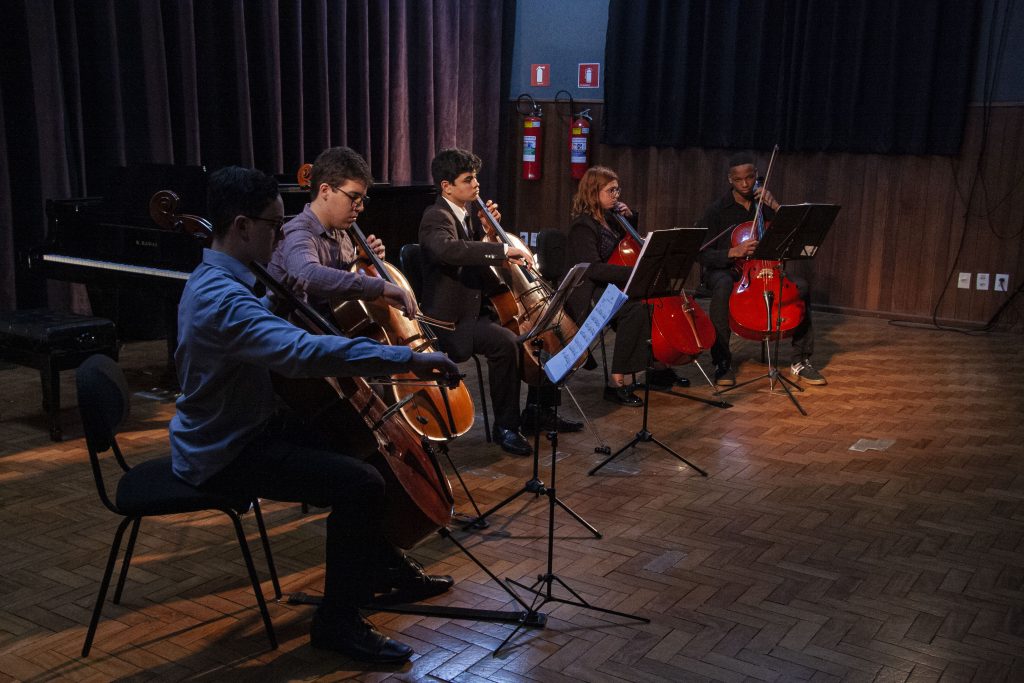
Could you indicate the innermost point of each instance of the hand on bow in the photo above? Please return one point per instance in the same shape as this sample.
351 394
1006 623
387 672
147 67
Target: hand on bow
437 367
400 298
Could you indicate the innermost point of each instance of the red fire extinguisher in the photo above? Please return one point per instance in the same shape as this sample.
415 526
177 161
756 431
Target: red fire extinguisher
579 143
533 137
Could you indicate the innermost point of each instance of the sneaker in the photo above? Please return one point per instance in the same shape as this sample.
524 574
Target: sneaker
725 376
806 372
343 630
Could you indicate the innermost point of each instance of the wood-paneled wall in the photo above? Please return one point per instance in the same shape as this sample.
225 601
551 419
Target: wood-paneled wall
902 235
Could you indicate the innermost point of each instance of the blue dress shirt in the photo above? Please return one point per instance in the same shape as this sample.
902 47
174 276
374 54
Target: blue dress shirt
228 342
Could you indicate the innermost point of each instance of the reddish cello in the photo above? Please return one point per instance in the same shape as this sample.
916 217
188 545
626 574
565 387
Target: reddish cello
680 329
764 302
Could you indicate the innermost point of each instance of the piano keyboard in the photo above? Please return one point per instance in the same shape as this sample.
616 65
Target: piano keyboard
116 267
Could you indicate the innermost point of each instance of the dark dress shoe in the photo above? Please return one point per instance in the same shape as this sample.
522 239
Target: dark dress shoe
548 422
665 379
343 630
725 376
407 582
623 396
511 441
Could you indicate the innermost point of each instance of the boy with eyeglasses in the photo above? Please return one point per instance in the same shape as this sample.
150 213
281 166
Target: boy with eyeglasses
317 249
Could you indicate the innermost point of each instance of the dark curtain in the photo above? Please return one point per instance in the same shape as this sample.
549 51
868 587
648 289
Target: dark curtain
877 76
89 85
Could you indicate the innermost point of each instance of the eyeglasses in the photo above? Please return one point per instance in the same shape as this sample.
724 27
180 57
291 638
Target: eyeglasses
356 198
615 191
277 223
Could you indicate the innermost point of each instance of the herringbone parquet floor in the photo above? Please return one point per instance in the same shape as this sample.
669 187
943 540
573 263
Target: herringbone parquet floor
797 558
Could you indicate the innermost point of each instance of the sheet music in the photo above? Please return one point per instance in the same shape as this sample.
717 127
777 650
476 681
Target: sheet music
610 302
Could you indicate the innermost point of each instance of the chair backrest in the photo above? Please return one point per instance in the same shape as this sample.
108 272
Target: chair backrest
103 403
412 267
551 254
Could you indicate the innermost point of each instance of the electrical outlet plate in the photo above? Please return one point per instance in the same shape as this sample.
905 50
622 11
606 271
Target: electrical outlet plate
964 282
982 281
1002 282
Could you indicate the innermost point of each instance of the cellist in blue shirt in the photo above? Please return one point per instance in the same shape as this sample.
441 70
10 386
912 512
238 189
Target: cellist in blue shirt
225 435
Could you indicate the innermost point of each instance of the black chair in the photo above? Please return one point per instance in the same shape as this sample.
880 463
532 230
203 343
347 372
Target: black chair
412 268
150 488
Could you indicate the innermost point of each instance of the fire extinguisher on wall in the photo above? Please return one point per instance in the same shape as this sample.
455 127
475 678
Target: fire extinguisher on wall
533 138
579 144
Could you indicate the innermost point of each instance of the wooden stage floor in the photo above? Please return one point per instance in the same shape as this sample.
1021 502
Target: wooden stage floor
797 558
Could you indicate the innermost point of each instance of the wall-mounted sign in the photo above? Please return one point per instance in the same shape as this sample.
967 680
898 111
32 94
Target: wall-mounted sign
540 75
590 76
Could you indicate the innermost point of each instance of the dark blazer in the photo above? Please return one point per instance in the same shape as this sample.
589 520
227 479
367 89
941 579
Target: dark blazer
455 270
584 246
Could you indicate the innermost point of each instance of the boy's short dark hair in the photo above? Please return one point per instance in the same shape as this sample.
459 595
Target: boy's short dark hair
741 159
335 165
449 164
235 191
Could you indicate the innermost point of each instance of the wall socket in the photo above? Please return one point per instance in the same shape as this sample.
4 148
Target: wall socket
964 281
1002 282
982 282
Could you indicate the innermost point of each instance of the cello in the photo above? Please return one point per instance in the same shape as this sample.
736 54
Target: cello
419 498
764 302
520 308
680 329
437 412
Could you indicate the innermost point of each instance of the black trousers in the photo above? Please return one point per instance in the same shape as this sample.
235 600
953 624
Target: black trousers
292 464
720 282
501 349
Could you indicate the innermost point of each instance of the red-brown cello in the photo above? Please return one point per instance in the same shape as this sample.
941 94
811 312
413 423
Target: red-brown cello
764 302
419 499
680 329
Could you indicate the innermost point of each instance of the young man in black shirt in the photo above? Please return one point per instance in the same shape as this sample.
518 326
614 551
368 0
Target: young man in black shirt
739 206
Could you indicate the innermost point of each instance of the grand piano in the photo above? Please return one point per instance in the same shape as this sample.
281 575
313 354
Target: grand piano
135 270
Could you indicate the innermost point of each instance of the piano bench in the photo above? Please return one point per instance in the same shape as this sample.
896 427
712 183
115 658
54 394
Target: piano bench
51 341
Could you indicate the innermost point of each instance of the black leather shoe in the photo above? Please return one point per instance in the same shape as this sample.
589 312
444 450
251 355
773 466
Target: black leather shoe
344 631
725 376
407 582
666 378
511 441
623 396
547 421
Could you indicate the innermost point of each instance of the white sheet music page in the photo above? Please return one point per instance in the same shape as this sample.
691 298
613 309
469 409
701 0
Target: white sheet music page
610 302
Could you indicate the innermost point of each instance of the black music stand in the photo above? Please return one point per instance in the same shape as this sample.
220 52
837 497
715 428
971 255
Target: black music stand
542 587
795 234
547 318
665 261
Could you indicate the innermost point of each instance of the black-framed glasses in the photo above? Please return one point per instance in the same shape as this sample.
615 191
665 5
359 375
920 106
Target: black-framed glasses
356 198
278 223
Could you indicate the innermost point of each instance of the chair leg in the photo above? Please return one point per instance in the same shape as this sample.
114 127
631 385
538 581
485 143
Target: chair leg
483 398
247 556
50 378
127 561
258 513
115 547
